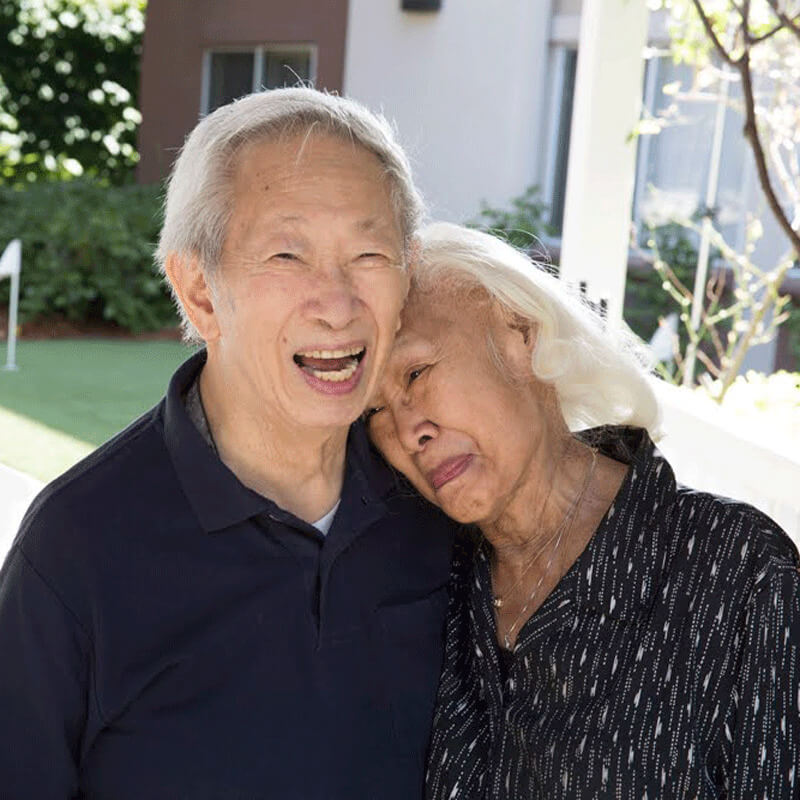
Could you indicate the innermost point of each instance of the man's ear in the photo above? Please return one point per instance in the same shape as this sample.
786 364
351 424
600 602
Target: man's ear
195 293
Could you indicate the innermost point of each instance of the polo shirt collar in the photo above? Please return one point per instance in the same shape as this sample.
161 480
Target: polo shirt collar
219 500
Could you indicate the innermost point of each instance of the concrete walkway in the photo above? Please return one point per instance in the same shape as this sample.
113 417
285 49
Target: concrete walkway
16 493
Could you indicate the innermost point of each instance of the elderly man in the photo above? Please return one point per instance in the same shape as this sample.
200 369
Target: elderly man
234 598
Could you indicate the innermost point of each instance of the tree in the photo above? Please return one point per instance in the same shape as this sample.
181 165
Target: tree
69 75
756 42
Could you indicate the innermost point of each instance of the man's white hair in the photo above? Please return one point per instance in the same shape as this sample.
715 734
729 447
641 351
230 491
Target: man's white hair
199 200
599 375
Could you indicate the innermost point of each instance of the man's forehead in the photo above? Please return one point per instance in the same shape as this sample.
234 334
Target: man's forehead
375 223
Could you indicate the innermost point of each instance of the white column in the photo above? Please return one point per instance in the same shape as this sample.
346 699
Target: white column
602 156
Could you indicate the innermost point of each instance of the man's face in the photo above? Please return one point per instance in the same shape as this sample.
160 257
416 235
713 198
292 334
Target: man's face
310 284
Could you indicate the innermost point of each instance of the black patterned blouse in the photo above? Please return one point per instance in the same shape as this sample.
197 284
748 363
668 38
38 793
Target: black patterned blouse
665 664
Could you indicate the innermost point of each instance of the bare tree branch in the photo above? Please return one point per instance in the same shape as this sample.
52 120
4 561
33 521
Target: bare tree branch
790 23
751 133
712 368
718 46
768 35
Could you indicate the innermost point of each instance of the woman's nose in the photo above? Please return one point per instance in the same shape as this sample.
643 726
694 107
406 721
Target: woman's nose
415 430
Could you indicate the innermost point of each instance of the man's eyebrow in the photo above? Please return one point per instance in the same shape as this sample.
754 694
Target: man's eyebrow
290 219
370 224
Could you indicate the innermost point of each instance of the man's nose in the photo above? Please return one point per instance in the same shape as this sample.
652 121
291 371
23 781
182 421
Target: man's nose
336 302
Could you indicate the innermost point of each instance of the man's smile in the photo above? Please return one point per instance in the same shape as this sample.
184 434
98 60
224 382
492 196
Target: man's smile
335 366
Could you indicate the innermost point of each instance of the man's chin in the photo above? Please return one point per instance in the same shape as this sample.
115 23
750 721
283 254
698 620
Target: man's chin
331 418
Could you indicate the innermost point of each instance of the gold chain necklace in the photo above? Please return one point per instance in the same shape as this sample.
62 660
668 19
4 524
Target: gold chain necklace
558 535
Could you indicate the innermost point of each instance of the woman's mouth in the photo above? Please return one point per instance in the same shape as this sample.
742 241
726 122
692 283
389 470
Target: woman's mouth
448 470
334 371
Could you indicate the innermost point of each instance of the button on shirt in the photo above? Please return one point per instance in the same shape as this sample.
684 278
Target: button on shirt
165 632
665 664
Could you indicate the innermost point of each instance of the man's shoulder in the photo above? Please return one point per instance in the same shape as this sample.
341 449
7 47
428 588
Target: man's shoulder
419 517
103 485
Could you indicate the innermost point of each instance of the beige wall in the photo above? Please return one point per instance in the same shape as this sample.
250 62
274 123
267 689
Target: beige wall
178 33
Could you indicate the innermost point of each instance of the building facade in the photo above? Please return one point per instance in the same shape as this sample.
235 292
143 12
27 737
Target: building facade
481 94
202 54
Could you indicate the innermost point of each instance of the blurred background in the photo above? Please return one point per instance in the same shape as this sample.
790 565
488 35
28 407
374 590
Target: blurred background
646 151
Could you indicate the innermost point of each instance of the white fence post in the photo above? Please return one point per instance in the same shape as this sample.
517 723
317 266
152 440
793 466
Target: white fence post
10 264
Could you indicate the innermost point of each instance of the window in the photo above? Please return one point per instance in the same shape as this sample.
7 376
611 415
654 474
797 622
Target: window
562 91
673 167
229 74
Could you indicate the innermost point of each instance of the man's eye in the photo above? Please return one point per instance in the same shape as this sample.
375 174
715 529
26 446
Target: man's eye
370 413
371 257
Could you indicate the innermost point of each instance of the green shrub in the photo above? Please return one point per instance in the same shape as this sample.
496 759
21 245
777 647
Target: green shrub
87 253
520 225
68 89
646 300
793 327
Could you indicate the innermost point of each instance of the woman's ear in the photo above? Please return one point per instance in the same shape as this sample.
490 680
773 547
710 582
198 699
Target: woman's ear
524 328
515 338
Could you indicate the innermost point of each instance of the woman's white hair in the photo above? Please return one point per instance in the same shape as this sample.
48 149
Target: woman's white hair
599 374
199 199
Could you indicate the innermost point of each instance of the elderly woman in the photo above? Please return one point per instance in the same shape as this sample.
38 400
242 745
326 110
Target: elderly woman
610 634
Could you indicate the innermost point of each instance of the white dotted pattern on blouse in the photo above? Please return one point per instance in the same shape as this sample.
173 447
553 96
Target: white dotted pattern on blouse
665 664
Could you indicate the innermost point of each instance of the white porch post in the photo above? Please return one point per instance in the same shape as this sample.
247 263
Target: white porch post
602 158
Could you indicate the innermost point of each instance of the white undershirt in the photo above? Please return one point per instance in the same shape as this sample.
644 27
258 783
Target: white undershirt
323 524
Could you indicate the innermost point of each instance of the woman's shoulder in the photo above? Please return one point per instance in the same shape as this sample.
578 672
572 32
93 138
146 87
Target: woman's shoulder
737 546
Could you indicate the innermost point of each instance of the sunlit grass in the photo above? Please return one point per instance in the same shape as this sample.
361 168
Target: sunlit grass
68 396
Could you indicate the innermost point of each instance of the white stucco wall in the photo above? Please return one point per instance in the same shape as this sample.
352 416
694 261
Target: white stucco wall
465 86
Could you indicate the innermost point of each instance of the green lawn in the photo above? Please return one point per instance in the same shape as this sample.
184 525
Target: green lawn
68 396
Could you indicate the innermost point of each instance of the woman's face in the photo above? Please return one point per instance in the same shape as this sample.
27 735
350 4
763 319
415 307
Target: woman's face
466 433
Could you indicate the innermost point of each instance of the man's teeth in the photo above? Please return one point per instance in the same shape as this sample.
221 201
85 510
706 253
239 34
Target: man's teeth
334 377
350 351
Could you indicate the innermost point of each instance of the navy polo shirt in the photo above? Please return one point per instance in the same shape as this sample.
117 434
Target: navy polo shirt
166 632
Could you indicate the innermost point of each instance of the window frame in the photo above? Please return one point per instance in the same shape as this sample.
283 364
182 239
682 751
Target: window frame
259 55
560 53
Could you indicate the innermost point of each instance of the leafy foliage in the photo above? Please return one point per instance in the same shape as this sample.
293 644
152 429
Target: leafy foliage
87 252
521 225
646 299
68 88
793 326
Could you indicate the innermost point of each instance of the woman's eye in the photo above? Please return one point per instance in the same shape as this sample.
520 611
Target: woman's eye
415 373
370 413
286 256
